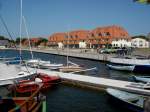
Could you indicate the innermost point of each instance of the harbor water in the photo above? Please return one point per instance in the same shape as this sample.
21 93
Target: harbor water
67 98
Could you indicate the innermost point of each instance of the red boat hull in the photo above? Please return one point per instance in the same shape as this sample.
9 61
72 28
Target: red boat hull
26 86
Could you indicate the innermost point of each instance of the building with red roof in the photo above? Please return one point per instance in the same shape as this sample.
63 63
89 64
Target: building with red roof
98 37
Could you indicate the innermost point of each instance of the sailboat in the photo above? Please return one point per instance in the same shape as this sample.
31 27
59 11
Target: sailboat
11 73
38 62
32 62
70 67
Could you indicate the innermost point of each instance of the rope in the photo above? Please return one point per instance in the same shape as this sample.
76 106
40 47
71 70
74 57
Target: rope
4 23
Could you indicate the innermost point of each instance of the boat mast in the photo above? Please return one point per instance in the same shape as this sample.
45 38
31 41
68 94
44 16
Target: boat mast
24 20
20 27
68 48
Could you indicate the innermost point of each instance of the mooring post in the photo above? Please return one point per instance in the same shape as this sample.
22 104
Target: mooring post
146 105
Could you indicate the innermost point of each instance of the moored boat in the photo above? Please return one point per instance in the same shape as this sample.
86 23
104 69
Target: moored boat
11 73
25 86
7 58
70 68
121 67
36 62
131 101
51 66
140 65
16 60
36 102
144 79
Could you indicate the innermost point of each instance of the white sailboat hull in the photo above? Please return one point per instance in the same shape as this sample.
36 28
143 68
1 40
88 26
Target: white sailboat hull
144 79
11 73
140 65
50 66
130 61
128 100
121 67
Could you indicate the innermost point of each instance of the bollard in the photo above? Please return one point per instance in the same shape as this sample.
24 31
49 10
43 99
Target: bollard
146 105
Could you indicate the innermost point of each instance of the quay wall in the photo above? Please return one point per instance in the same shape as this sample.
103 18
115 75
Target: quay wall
92 55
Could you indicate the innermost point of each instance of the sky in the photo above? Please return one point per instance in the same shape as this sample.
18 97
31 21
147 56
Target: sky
45 17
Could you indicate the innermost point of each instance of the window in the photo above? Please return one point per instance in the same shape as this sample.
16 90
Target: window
141 43
99 34
135 42
107 33
76 36
71 36
107 39
92 35
103 34
99 40
66 36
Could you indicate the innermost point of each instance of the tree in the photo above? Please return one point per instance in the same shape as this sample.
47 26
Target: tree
2 38
148 36
17 40
23 40
41 40
44 40
142 1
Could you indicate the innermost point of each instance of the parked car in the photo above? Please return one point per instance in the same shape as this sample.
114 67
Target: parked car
107 51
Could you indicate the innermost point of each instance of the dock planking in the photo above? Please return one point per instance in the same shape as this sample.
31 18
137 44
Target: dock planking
100 82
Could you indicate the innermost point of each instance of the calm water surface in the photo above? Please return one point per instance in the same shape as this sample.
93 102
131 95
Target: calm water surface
72 99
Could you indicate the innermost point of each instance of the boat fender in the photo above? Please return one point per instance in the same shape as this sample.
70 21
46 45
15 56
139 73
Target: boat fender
38 80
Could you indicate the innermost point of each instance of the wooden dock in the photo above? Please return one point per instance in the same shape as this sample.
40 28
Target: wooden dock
99 82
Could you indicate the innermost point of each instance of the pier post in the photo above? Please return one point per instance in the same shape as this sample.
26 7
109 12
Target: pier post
147 105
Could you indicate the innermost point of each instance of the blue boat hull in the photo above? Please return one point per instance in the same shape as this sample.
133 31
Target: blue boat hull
13 62
142 69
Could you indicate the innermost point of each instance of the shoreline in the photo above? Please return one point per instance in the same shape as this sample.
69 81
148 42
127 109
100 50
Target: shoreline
90 54
78 53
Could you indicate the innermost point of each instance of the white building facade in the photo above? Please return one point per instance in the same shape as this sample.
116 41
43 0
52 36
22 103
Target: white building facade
120 43
140 43
82 45
60 45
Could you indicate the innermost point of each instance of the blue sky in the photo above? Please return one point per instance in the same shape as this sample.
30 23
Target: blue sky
45 17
